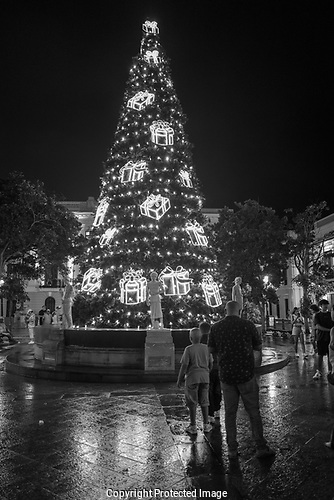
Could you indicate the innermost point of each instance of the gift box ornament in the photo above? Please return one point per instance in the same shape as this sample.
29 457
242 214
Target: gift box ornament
133 287
162 133
186 179
107 236
152 57
101 212
140 100
92 280
151 27
133 171
155 206
196 233
175 282
211 291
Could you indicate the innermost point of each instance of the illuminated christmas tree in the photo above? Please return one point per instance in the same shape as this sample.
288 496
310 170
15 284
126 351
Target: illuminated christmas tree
149 214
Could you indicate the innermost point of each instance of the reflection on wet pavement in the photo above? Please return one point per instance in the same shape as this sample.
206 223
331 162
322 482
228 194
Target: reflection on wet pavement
80 441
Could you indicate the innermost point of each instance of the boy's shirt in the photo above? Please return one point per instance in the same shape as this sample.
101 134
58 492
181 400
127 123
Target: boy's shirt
197 359
323 319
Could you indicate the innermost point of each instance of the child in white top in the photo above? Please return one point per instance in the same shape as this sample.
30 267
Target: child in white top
196 363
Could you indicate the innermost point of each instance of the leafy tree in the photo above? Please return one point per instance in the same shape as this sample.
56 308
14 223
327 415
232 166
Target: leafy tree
251 242
307 252
34 231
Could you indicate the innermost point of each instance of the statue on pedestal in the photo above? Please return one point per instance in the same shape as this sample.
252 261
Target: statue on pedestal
154 289
237 293
68 296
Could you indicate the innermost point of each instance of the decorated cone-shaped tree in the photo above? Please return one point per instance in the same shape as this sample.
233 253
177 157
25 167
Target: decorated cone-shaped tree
149 213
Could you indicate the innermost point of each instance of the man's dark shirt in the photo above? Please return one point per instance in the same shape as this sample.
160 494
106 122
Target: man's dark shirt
233 339
323 319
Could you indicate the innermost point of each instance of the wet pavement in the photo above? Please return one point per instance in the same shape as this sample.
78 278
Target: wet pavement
68 440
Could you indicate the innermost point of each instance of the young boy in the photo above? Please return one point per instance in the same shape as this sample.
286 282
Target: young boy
215 392
195 367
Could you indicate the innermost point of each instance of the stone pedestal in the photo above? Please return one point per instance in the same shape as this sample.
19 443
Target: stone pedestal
49 345
159 351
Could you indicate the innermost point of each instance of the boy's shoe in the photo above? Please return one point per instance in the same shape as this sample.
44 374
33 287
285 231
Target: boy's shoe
317 375
305 356
217 414
265 452
329 445
211 419
232 453
191 429
207 427
296 355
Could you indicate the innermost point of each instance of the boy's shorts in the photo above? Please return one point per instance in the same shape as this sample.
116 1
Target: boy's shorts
197 393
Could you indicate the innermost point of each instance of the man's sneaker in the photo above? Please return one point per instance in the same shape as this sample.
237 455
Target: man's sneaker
191 429
211 419
217 414
317 375
232 453
305 356
296 355
329 445
265 452
207 428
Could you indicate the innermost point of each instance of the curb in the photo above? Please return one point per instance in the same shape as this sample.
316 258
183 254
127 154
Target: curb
21 362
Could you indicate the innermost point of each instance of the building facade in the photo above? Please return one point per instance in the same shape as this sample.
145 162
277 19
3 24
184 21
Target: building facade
48 291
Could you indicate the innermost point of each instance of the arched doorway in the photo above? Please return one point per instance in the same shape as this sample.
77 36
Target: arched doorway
50 303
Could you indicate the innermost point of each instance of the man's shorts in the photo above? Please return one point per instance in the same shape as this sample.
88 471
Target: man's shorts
322 348
197 393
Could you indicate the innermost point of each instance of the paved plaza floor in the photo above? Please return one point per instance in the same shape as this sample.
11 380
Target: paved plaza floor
67 440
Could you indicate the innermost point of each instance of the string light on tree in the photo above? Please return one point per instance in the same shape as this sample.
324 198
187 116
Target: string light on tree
211 291
107 237
155 206
133 287
133 171
150 27
140 100
162 133
186 178
196 233
152 57
175 282
91 280
101 212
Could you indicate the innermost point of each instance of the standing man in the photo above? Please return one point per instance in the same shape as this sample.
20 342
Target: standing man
233 340
323 323
237 293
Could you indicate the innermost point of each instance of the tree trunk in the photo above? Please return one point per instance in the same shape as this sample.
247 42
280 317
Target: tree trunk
263 317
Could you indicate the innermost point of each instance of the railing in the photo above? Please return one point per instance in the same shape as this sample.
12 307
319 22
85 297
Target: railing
280 324
56 283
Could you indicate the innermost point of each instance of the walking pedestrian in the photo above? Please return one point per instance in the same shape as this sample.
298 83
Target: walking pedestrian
31 322
323 323
313 310
233 340
215 391
330 377
47 317
297 331
41 313
195 369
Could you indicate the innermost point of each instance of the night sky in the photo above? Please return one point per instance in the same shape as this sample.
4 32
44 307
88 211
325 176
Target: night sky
254 79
